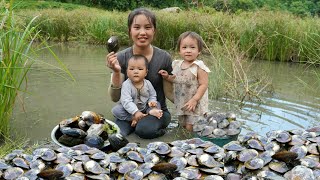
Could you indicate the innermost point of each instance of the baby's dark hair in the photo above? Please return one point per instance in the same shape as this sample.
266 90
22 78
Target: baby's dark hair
193 35
138 57
150 16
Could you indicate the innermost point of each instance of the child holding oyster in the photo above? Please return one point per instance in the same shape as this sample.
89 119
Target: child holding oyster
190 80
138 96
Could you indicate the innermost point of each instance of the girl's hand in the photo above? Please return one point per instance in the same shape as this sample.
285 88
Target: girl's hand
190 105
112 62
164 74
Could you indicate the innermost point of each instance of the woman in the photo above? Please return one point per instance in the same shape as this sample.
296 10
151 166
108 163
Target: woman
142 28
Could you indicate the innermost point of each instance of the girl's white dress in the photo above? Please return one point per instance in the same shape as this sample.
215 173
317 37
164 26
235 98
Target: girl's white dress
186 85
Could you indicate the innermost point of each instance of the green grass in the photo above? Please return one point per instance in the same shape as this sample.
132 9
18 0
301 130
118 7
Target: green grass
260 34
16 47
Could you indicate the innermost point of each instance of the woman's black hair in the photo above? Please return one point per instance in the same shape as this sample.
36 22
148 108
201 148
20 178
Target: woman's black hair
150 16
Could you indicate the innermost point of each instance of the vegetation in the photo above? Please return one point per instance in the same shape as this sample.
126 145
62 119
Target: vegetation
272 36
16 46
297 7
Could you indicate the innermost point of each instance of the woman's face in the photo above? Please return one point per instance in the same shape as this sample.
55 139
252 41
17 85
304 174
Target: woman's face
142 31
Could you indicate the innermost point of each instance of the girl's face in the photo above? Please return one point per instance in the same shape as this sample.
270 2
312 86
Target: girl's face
142 31
137 70
189 49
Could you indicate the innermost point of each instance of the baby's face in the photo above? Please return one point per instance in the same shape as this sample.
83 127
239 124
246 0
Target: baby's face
137 70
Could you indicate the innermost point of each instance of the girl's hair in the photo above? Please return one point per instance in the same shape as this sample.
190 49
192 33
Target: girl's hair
138 57
193 35
150 16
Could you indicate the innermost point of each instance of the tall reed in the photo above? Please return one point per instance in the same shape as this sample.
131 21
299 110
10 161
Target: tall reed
16 46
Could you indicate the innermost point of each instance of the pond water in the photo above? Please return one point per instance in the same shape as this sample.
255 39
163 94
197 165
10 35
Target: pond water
51 96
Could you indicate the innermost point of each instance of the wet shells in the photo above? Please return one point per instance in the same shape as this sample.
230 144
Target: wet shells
219 132
73 132
255 144
299 172
223 124
94 141
190 173
192 160
78 167
20 162
70 122
215 170
283 136
208 161
146 168
213 177
177 152
232 131
233 146
115 157
152 158
255 163
300 150
266 156
280 167
207 130
310 162
113 44
198 127
126 166
65 168
13 173
4 165
133 155
313 148
196 151
272 146
32 174
213 149
91 117
235 125
159 147
180 162
94 167
297 140
270 175
100 176
134 174
247 154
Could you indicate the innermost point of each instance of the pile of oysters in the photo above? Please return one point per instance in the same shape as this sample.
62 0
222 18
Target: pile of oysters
218 125
89 128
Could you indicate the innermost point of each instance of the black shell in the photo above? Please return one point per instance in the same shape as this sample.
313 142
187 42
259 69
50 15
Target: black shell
113 44
117 141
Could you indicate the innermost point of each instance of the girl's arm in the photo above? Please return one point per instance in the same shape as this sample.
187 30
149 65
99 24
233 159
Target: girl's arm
203 80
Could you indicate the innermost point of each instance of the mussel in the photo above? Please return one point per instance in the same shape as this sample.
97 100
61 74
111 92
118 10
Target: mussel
113 44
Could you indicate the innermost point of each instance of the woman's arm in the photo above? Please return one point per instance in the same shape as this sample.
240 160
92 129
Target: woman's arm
114 88
117 77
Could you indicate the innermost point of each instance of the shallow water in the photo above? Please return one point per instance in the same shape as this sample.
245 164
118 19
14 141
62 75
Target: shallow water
51 98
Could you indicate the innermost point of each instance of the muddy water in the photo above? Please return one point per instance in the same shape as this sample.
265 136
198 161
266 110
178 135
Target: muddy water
52 96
